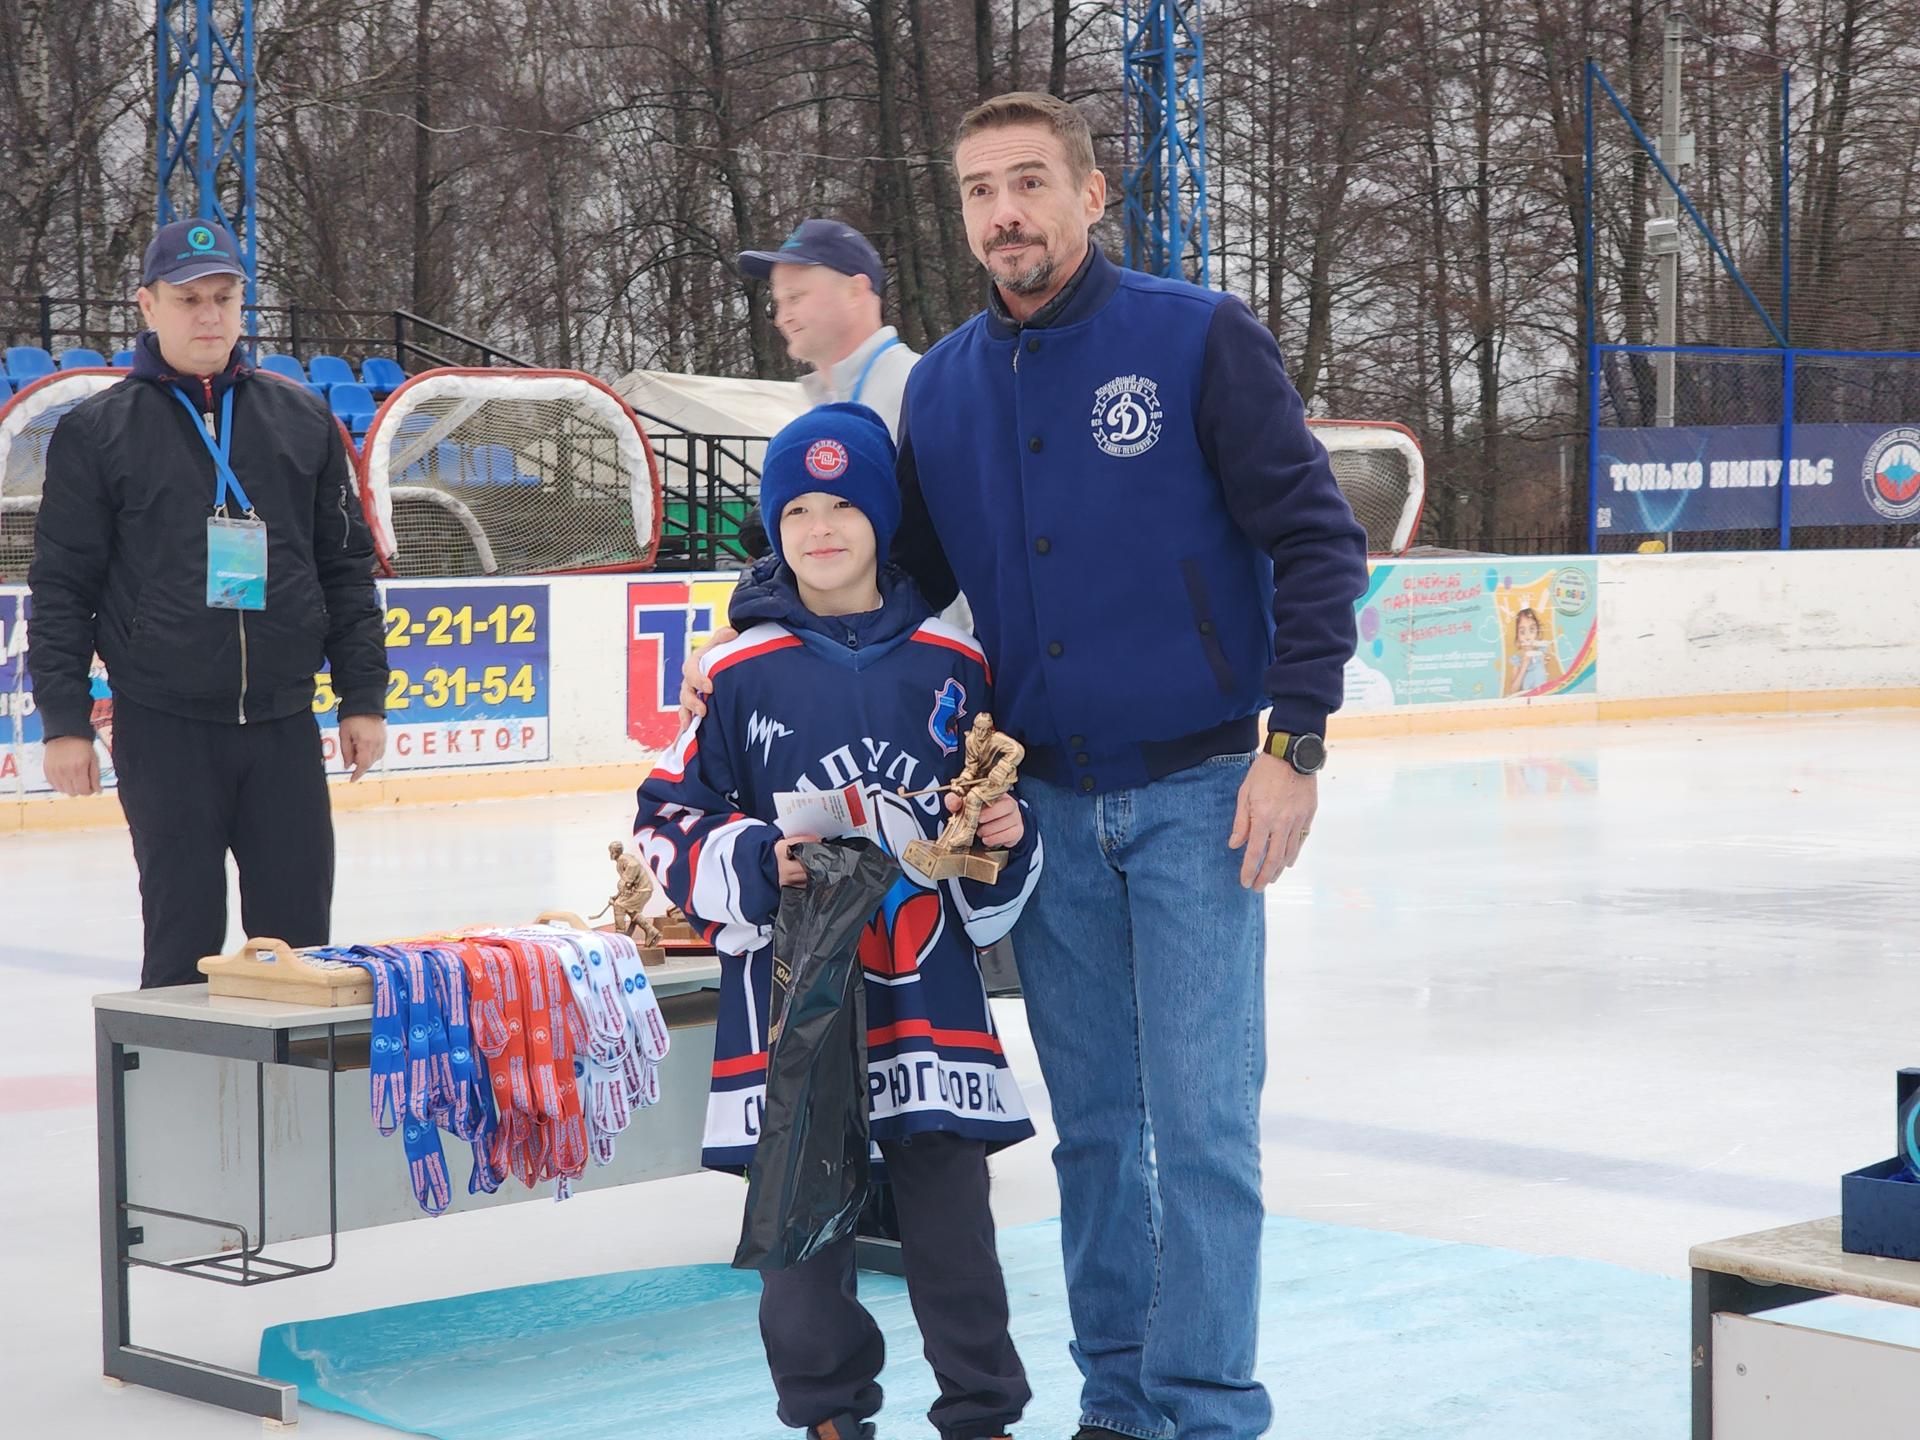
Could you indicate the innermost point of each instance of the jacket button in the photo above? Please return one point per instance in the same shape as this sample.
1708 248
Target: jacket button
1086 783
1033 347
1033 444
1081 758
1056 649
1206 627
1077 741
1043 545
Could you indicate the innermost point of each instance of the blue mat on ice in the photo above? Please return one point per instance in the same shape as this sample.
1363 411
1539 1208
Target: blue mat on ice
1365 1336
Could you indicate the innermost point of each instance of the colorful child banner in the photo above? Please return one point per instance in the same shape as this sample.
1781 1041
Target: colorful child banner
1475 630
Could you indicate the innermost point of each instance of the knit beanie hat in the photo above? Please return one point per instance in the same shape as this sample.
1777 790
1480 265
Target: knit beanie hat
840 450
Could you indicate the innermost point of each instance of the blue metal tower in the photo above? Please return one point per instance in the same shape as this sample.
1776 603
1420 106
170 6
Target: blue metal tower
1165 182
203 128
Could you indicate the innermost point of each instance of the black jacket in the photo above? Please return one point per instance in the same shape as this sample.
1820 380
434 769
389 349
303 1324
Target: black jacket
120 556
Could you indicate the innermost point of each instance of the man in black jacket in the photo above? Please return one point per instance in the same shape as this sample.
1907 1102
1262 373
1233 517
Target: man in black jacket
198 530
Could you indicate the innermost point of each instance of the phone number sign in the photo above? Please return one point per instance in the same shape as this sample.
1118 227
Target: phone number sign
468 680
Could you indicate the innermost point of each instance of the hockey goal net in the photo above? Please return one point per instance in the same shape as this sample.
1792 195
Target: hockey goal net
509 472
26 429
1381 472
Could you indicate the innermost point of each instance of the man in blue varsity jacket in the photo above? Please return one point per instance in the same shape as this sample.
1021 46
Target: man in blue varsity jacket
1117 471
841 677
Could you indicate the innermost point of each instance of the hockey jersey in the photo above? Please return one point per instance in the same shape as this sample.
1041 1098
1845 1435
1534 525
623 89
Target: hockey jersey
803 702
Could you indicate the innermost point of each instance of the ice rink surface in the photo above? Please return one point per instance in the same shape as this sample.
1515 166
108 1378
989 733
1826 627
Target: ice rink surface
1592 992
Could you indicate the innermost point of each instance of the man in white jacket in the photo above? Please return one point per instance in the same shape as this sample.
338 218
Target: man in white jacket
827 284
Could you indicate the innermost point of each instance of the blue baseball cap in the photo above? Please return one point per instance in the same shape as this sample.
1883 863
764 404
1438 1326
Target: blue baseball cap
191 250
820 242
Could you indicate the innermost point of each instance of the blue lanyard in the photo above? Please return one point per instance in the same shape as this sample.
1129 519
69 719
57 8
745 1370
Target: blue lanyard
860 385
229 483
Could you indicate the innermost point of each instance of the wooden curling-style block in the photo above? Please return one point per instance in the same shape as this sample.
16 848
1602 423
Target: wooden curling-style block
268 969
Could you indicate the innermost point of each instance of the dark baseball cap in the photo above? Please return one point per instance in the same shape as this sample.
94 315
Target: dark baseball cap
820 242
191 250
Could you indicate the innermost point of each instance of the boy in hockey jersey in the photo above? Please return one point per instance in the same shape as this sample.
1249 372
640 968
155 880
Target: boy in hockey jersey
841 677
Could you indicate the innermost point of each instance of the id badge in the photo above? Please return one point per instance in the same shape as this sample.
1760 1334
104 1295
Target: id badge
236 564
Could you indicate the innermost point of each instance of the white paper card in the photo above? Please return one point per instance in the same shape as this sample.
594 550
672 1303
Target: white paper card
830 814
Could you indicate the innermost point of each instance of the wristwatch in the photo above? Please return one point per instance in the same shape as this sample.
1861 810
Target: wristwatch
1305 753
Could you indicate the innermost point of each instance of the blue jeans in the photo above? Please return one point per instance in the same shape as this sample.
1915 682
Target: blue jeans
1141 958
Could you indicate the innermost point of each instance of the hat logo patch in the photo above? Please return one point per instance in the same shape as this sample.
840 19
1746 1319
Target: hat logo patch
200 238
826 459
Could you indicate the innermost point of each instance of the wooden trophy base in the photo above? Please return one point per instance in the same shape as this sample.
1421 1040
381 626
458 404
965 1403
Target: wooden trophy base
937 864
652 955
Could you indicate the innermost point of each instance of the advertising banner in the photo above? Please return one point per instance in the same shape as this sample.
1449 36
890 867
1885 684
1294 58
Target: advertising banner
1475 630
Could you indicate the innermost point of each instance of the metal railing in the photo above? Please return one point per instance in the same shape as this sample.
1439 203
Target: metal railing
710 483
55 323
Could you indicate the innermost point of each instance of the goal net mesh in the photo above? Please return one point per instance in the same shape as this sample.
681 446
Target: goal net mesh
1380 470
26 429
509 472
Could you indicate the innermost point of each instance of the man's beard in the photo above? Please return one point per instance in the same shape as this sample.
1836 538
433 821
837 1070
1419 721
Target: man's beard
1036 277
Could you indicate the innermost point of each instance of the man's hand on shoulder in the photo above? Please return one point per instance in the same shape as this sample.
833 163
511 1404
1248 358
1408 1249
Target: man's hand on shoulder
694 684
73 768
1271 821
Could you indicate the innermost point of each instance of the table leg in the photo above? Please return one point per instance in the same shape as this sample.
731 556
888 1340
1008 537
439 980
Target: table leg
1717 1294
120 1358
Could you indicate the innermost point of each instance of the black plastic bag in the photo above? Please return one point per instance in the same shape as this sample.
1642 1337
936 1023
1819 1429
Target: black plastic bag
809 1175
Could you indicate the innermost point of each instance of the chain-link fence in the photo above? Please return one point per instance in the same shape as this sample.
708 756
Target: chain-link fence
1754 342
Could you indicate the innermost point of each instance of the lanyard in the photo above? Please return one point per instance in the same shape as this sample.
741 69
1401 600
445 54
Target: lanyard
220 450
865 370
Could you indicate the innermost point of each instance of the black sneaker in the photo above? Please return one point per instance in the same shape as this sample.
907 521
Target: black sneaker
1094 1432
841 1427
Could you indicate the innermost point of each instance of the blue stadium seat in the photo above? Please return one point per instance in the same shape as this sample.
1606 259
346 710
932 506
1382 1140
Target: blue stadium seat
28 362
327 371
353 404
6 387
493 465
123 359
449 463
79 357
285 365
381 375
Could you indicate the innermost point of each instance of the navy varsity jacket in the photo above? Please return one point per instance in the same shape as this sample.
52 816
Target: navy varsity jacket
1150 537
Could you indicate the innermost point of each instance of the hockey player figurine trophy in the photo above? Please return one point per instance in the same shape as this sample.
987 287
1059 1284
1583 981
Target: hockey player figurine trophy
629 904
992 766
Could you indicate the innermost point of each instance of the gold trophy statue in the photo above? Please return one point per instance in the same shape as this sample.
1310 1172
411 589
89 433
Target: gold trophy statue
992 766
629 904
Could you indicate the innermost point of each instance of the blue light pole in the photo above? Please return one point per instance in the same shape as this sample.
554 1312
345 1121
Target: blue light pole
203 128
1164 185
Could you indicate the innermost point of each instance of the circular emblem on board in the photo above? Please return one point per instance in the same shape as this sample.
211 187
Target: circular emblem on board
1891 474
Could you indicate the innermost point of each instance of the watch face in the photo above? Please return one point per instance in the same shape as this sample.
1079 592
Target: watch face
1309 754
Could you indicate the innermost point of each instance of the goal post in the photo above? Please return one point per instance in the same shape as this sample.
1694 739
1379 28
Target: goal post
509 472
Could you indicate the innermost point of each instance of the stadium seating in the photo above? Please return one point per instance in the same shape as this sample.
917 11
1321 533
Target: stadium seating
28 362
353 403
80 357
285 365
123 359
381 375
327 371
